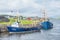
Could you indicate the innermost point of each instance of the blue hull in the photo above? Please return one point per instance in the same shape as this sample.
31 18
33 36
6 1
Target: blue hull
47 25
17 29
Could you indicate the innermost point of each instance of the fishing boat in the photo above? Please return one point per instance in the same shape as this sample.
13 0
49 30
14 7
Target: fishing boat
46 24
17 28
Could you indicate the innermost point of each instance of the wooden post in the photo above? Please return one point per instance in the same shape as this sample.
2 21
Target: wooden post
0 30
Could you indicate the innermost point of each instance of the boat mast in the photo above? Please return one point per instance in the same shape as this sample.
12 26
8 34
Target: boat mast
45 16
17 16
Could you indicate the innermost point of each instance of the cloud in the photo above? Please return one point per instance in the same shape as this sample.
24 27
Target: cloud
54 4
27 7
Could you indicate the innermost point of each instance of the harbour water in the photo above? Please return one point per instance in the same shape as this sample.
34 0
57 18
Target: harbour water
52 34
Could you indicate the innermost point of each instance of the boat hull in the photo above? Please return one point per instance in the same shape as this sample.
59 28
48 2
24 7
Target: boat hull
47 25
22 30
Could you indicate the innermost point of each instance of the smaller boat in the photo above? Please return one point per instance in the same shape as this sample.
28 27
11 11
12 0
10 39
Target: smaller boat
46 24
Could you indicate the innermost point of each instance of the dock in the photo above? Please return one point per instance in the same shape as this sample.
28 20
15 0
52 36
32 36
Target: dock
3 28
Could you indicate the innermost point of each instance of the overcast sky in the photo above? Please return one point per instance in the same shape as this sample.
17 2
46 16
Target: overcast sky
30 7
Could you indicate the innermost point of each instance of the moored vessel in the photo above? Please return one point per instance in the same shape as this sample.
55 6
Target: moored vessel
17 27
